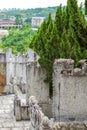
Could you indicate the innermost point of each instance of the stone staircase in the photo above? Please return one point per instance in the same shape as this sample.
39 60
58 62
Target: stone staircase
7 107
7 118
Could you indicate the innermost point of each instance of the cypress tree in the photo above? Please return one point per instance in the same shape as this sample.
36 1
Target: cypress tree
59 21
85 7
65 45
66 37
41 44
38 42
45 58
76 21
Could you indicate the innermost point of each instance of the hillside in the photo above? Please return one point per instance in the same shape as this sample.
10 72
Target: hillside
27 13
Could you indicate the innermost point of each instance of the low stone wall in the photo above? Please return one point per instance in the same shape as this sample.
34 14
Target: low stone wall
70 126
38 121
21 109
47 109
21 112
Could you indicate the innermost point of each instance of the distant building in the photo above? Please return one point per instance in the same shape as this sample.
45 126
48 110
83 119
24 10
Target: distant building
13 18
7 21
3 14
37 21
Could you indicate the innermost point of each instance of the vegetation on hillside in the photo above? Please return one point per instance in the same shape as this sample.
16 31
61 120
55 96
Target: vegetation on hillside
65 37
27 14
18 39
43 12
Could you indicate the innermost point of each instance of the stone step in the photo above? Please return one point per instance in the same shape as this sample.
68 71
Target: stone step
7 118
13 125
7 107
6 113
6 98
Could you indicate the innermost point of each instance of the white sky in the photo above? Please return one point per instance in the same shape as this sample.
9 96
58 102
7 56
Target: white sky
32 3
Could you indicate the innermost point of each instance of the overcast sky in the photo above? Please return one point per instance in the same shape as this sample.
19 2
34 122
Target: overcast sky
31 3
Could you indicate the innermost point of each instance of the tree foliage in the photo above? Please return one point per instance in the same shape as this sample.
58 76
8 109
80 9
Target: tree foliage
18 20
65 37
86 7
18 39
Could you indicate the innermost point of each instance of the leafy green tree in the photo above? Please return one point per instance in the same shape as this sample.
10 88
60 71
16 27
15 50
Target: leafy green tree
18 39
18 19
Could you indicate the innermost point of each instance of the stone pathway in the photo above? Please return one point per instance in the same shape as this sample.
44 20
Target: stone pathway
7 119
6 107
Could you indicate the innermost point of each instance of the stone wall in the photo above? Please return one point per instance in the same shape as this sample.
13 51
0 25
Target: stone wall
70 90
2 72
25 72
38 121
68 126
36 85
70 84
16 66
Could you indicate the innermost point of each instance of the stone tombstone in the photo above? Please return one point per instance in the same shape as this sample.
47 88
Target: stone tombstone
25 112
18 110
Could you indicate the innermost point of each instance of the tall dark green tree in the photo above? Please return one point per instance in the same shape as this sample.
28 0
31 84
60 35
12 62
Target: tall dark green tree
38 42
65 37
85 7
41 44
59 21
76 21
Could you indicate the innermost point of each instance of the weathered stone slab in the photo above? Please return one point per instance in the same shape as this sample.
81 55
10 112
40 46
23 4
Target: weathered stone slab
19 124
7 124
5 128
19 128
26 128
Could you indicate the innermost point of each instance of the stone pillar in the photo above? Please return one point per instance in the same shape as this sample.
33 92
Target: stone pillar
10 60
17 110
61 66
25 112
